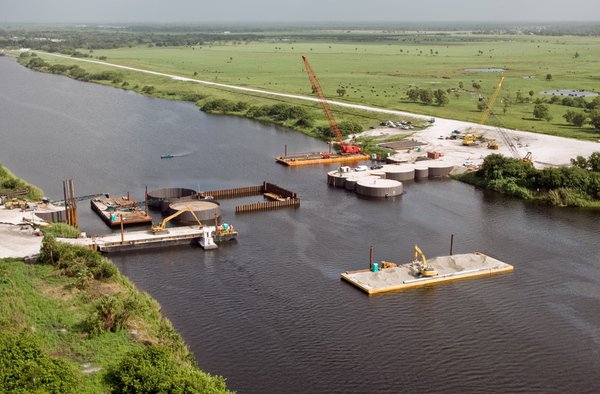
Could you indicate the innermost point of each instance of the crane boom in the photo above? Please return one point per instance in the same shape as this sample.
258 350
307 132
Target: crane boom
334 127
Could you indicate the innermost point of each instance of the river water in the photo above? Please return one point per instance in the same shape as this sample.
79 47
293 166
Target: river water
269 311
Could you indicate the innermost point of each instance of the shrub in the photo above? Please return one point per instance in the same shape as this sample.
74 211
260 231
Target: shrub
219 106
24 367
71 259
156 369
61 230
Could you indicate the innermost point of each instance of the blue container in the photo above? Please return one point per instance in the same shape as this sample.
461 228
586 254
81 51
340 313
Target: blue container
375 267
113 217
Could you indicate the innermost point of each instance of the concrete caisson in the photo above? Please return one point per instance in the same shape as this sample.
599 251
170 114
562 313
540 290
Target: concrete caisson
204 210
400 173
439 170
421 172
377 187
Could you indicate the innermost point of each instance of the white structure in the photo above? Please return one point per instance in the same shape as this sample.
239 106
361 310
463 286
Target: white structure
207 241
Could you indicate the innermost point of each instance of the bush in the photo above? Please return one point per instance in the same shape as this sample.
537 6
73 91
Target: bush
25 368
72 259
155 369
61 230
219 106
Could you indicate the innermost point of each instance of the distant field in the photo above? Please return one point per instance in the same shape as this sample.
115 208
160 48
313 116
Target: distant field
379 74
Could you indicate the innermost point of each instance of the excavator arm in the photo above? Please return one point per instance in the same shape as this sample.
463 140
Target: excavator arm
163 225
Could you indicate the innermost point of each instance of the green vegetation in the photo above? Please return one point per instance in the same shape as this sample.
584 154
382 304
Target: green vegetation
72 323
60 230
10 182
577 186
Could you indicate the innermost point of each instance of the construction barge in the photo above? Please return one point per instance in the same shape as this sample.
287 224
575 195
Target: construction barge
138 240
119 211
312 158
405 276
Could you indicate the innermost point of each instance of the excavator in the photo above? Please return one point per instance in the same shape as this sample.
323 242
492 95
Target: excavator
162 227
422 267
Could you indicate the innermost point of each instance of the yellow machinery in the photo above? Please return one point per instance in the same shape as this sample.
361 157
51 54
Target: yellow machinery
469 139
422 267
15 203
492 144
162 227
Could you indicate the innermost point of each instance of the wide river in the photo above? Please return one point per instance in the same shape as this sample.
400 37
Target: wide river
269 311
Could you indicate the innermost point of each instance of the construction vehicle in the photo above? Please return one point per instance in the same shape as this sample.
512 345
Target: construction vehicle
15 203
162 227
492 144
344 147
421 266
501 131
470 139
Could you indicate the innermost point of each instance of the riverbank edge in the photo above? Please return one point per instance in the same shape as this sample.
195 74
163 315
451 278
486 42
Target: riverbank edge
48 308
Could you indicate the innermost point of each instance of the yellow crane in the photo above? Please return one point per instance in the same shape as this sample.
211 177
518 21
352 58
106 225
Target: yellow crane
162 227
471 138
422 267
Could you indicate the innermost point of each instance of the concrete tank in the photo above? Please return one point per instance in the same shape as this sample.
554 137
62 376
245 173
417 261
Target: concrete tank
421 172
439 170
400 173
204 210
377 187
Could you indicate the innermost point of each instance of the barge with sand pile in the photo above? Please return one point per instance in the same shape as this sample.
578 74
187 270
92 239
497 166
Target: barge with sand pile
441 269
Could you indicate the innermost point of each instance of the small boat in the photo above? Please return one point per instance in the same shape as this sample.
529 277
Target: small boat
167 156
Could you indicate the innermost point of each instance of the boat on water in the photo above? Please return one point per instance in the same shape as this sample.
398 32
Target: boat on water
167 156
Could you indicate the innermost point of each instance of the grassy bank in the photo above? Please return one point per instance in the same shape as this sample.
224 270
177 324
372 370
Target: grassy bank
73 323
379 73
8 182
575 186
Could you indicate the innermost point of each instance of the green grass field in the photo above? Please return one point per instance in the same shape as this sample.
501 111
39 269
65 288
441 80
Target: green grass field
379 74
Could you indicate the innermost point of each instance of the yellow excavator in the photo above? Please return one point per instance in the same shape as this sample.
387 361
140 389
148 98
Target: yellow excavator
422 267
162 227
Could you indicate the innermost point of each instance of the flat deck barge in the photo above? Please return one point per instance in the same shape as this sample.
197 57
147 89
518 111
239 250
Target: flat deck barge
319 158
113 210
137 240
449 268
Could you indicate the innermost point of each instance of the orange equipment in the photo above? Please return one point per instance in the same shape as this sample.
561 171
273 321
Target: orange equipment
334 127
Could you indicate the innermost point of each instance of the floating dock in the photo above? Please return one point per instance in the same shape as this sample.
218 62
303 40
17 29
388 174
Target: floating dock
312 158
449 268
137 240
114 210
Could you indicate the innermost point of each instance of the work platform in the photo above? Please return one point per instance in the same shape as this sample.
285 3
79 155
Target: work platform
313 158
117 211
137 240
449 268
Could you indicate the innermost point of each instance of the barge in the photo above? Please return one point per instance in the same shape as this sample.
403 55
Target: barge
117 211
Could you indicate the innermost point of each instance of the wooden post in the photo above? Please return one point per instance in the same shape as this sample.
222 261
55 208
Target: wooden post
451 244
285 150
122 232
146 199
370 257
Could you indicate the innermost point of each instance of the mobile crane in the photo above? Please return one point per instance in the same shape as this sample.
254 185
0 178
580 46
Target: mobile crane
503 134
344 147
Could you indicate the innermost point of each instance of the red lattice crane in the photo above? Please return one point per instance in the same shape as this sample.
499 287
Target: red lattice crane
346 148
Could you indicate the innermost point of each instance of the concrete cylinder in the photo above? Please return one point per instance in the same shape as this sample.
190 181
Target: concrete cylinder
421 172
400 173
439 170
156 197
377 187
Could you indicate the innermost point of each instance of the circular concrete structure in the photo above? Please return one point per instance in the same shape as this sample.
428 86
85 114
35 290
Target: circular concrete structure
377 187
400 173
336 179
439 170
351 183
421 172
204 210
157 197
